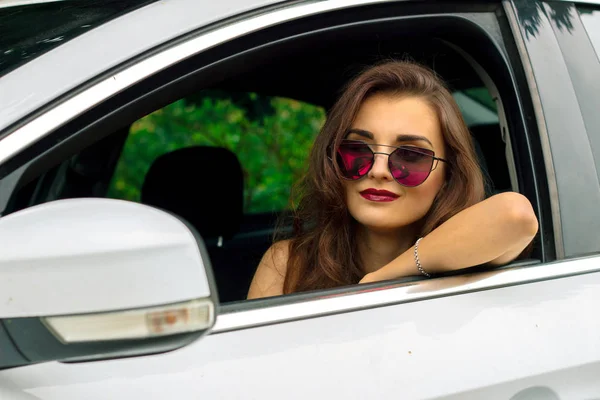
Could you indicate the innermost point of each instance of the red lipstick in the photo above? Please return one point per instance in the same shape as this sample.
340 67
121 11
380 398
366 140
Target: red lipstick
378 195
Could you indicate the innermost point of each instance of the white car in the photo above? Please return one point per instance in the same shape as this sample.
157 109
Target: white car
147 149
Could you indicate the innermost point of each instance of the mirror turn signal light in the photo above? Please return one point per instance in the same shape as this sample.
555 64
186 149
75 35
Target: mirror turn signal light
190 316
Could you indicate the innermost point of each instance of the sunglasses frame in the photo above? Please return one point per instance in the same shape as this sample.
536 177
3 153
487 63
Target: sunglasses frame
415 149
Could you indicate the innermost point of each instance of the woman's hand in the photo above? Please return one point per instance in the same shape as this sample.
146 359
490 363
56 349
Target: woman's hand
494 231
368 278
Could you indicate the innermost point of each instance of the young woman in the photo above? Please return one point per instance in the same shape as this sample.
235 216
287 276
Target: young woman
393 189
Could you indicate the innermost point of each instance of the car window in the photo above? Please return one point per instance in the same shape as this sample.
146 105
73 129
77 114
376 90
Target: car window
477 106
271 137
591 20
29 30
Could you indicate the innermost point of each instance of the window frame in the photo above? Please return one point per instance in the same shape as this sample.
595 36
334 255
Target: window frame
71 114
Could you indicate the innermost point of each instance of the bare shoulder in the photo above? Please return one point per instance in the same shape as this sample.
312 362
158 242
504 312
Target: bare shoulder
270 274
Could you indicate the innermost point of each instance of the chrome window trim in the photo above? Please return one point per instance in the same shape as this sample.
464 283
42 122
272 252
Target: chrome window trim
536 101
81 102
391 294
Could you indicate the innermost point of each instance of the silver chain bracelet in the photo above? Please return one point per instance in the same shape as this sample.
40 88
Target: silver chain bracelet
419 267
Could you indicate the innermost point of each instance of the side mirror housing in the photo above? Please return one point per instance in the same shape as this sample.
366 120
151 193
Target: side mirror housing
83 279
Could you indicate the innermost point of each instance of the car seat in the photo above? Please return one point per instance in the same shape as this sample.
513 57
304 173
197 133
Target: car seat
492 157
204 186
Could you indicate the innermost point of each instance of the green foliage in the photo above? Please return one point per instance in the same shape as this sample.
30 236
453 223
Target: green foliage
272 145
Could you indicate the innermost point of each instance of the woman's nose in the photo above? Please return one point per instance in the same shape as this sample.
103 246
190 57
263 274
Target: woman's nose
380 169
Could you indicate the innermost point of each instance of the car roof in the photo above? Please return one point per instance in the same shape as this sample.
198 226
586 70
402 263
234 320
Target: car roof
30 28
56 72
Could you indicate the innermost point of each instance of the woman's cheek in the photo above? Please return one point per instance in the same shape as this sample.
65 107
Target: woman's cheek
428 191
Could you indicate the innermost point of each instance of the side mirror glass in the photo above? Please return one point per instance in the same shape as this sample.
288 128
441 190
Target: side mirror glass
83 279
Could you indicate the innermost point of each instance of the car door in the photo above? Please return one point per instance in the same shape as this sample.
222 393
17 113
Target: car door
517 332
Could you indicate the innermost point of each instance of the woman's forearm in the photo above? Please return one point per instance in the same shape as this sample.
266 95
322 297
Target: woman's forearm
493 231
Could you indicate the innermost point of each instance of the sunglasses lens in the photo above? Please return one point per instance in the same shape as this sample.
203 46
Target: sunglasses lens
410 167
354 159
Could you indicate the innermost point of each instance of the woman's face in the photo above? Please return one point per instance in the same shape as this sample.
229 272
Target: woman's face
394 121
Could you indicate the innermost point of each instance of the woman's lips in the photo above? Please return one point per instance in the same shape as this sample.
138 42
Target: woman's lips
378 195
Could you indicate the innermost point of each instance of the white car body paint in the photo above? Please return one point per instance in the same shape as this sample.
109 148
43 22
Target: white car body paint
490 344
64 257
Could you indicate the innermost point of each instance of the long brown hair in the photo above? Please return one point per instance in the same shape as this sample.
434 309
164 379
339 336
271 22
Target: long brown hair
323 251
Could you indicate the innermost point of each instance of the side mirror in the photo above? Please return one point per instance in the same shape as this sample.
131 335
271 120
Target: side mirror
85 279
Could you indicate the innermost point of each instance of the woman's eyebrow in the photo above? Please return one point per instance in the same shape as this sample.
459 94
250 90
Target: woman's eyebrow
412 138
361 132
404 137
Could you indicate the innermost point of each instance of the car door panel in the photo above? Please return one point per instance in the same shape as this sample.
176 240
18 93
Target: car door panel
489 344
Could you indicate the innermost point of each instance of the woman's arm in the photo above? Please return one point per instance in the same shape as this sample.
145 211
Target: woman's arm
270 274
494 231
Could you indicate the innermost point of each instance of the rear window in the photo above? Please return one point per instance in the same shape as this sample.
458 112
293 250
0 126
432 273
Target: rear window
28 30
477 106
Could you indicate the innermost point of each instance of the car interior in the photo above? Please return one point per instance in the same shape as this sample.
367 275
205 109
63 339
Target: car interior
291 62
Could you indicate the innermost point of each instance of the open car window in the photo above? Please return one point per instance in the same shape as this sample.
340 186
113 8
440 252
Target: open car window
271 137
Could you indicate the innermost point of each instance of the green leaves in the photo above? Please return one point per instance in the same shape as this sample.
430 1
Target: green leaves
270 136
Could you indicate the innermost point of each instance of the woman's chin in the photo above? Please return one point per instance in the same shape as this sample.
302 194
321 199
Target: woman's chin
386 217
384 225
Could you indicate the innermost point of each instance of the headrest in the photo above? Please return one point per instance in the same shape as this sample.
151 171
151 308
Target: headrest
204 185
489 139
